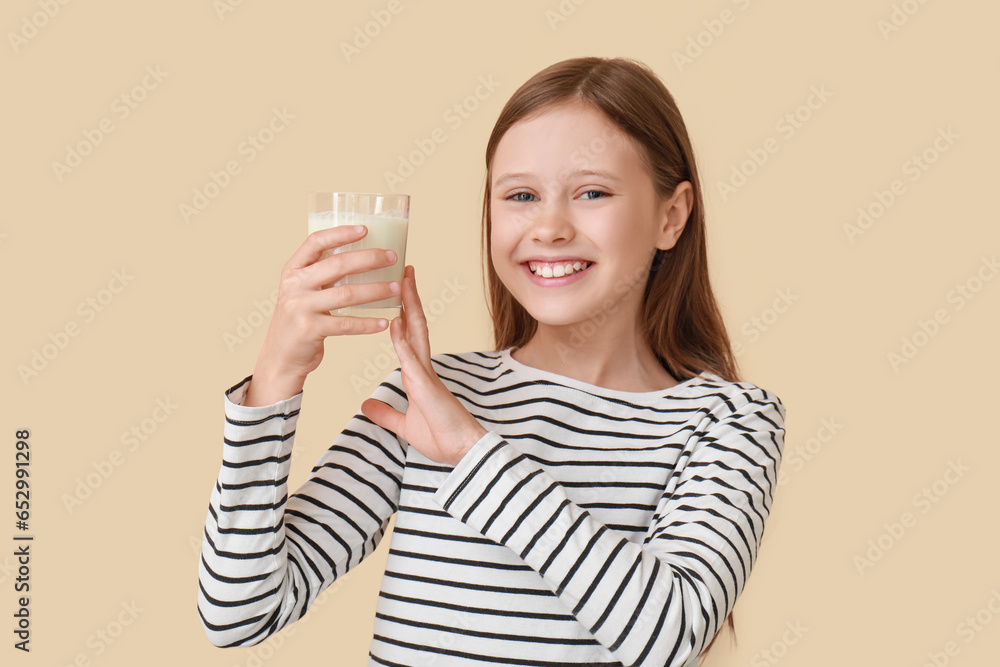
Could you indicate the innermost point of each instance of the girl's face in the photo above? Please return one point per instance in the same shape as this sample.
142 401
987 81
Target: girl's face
575 217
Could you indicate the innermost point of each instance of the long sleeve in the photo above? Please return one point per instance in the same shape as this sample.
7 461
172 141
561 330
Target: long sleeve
265 555
658 602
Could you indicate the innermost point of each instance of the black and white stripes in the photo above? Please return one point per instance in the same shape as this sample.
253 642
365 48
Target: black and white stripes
590 526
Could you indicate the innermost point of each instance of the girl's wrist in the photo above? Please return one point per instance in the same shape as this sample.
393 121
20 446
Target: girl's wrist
473 435
268 387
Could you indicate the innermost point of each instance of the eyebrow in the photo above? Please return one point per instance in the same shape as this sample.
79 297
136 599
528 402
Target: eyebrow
579 172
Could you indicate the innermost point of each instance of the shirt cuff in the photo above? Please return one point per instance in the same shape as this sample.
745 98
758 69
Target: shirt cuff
235 409
258 434
466 482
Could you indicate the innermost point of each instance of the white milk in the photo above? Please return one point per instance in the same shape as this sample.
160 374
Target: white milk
384 231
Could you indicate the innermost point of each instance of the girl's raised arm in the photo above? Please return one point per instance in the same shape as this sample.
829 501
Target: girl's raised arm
266 556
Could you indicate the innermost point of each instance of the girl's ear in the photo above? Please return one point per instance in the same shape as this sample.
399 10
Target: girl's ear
673 215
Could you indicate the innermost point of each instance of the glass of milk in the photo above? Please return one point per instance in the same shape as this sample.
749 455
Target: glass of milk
386 216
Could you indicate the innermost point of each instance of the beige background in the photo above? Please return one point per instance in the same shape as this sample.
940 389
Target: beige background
163 336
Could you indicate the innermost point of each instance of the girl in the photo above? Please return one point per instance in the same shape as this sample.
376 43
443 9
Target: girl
593 491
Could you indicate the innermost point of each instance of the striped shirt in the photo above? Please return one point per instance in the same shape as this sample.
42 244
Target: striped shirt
589 526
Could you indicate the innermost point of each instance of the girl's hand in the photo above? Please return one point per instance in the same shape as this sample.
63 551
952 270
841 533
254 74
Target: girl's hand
293 346
436 423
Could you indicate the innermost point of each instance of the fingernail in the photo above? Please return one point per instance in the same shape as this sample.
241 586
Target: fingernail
390 255
394 287
359 228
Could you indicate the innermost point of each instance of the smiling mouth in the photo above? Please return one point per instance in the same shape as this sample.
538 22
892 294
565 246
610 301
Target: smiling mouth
557 269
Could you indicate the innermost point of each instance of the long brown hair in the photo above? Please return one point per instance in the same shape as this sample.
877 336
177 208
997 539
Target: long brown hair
682 321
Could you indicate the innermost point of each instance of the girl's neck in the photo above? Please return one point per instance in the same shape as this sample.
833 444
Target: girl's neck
623 362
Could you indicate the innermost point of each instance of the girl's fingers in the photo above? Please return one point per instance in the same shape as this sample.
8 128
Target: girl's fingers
415 382
329 270
341 296
346 325
324 239
404 351
416 323
388 418
415 371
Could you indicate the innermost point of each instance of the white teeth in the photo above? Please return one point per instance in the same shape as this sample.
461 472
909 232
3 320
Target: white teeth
556 270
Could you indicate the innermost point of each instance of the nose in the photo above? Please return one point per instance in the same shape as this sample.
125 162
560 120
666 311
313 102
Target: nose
550 223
